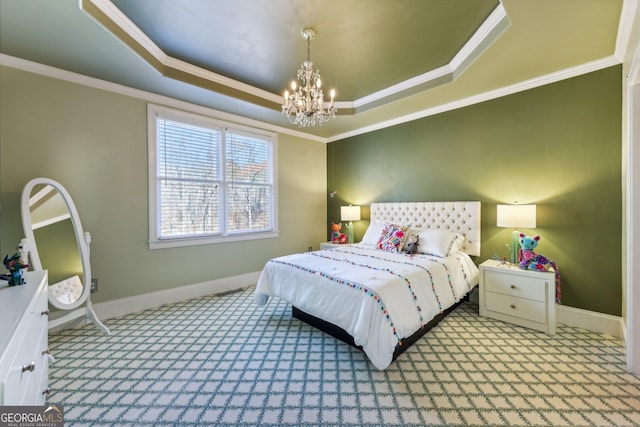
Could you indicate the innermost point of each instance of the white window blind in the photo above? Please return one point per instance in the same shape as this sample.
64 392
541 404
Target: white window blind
249 180
210 181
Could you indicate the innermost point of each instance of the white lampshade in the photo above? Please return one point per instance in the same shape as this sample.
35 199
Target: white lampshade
516 216
350 213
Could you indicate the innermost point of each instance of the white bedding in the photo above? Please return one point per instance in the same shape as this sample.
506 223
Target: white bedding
377 297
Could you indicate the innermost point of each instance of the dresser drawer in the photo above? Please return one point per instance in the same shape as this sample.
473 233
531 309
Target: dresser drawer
41 379
516 285
517 307
23 364
29 366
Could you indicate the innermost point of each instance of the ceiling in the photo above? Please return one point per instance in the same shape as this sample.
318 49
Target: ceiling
389 61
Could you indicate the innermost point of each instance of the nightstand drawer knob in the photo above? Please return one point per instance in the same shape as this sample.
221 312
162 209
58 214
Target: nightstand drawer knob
513 286
29 368
513 306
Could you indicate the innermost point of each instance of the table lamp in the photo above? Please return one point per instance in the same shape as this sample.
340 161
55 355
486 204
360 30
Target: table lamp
350 213
516 216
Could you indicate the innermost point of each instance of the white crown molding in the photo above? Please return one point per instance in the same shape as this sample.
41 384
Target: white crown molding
132 30
490 30
217 78
484 36
444 72
487 96
124 23
625 27
57 73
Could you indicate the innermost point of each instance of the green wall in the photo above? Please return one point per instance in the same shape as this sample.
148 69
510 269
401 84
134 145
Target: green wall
94 143
558 146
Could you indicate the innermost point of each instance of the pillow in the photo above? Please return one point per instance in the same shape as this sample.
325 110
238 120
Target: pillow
439 242
392 237
372 234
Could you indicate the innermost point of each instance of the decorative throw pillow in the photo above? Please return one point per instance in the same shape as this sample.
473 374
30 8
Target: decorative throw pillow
439 242
392 237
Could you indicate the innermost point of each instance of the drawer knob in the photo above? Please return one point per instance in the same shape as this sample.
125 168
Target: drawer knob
48 353
513 286
47 391
30 367
513 306
44 313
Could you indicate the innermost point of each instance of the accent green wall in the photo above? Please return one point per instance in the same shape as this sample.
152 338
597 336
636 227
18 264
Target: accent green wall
558 146
94 142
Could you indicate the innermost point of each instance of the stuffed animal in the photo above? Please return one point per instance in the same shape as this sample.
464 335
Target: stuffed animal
412 244
15 264
527 258
336 235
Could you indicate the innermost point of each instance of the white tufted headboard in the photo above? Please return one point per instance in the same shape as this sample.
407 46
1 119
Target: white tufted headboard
459 217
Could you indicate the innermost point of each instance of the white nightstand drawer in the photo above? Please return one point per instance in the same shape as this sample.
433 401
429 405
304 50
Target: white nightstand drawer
522 297
517 307
515 285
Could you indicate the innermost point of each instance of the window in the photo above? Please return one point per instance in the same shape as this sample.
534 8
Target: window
209 182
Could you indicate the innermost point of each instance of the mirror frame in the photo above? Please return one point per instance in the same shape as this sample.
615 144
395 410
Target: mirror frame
81 239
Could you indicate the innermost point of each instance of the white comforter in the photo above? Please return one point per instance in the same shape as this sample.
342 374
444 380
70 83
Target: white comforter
378 297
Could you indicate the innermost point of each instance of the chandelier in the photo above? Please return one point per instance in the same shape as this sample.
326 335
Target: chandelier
304 106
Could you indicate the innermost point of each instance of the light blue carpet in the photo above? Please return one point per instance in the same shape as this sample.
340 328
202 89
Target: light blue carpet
222 360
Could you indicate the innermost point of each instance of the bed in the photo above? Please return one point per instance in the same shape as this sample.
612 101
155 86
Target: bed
373 294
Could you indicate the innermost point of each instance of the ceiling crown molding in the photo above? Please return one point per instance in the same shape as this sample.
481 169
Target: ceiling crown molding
115 21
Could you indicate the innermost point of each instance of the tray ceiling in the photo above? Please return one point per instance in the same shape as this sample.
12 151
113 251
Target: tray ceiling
387 60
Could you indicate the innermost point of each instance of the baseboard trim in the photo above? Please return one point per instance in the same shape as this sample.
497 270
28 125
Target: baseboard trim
590 320
134 304
571 316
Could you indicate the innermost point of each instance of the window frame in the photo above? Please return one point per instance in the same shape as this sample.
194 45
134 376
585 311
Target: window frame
155 240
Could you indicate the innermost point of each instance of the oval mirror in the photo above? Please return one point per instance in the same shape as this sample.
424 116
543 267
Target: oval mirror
57 243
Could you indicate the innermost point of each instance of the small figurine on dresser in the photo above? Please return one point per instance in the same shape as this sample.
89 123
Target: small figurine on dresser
15 264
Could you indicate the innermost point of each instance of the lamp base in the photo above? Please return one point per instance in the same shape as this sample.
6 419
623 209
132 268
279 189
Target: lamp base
350 232
515 246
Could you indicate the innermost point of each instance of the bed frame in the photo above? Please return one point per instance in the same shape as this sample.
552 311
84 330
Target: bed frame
459 217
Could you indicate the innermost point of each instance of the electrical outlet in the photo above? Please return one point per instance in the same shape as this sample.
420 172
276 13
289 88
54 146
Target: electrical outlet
94 285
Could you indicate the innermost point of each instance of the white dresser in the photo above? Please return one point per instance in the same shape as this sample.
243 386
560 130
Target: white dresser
24 361
522 297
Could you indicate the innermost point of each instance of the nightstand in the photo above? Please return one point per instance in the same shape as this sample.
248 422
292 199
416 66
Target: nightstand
329 245
521 297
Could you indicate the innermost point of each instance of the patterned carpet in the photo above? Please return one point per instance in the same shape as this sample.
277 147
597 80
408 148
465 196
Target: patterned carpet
222 360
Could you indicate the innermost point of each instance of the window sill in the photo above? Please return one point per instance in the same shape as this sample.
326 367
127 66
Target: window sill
184 242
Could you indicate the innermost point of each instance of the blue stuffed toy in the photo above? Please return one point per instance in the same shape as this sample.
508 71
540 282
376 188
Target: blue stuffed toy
529 260
15 266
